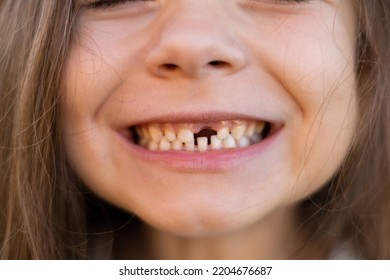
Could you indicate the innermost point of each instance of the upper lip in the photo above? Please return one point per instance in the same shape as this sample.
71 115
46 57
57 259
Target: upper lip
200 117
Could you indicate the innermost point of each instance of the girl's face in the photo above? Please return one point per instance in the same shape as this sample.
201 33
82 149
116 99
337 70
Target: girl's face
203 117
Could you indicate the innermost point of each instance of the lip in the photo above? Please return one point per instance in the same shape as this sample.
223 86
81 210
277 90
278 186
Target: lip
209 161
198 117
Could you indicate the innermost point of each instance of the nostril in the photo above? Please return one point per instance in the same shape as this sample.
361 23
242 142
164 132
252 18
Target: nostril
218 63
169 66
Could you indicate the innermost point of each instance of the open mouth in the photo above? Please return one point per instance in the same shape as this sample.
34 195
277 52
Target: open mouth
200 137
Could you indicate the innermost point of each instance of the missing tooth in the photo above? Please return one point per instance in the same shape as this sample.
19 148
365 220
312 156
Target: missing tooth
205 132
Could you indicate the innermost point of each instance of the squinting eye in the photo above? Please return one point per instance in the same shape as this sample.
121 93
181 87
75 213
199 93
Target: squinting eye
282 1
251 3
109 3
101 4
298 1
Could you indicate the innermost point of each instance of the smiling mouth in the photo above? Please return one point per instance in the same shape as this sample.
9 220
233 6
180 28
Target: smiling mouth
200 137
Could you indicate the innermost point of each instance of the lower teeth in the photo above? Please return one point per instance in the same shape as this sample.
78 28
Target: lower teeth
239 136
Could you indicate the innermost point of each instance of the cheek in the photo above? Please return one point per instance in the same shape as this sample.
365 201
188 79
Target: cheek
324 132
317 73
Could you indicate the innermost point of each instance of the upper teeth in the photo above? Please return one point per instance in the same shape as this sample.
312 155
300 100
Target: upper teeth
229 134
185 136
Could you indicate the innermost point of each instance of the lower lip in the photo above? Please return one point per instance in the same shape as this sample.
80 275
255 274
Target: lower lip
208 161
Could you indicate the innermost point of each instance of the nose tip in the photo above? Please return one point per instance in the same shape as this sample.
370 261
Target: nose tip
194 50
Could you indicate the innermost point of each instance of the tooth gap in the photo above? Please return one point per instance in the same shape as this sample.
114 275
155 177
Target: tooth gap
205 132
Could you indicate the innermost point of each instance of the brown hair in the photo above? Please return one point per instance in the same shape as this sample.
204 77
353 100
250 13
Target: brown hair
42 214
40 209
355 204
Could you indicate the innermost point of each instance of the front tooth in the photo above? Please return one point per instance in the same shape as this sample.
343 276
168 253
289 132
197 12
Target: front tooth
250 130
177 145
223 133
164 145
243 142
190 146
229 142
238 131
202 144
170 134
216 143
155 133
185 136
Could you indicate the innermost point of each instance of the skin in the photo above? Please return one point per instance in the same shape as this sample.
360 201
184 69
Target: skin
291 63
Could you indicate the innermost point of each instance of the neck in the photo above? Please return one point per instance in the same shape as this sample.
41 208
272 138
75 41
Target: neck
274 237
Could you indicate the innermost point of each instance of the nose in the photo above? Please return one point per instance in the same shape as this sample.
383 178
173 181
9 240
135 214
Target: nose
195 48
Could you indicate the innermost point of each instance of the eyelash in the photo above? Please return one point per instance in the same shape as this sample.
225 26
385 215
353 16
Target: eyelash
291 1
101 4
